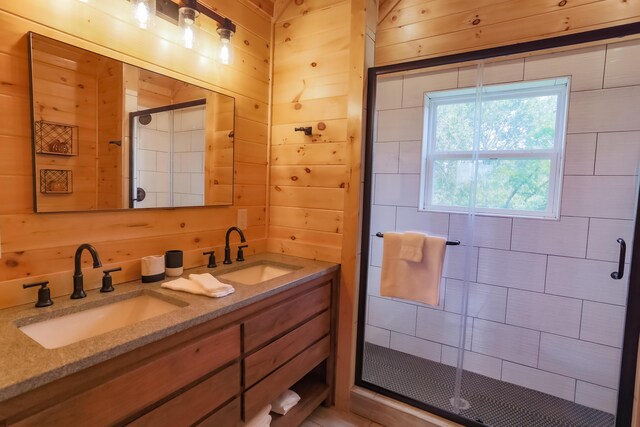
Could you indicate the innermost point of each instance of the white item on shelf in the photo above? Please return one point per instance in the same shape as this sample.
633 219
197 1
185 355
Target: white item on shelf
285 402
261 419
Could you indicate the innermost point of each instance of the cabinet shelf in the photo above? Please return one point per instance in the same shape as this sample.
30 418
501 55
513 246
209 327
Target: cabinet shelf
312 393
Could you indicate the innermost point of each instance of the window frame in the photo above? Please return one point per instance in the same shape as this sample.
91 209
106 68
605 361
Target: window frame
559 86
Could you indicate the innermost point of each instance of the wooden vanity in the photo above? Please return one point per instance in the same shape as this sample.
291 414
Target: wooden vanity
218 373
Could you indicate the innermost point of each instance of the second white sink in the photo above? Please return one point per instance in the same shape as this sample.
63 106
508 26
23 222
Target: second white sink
257 273
74 327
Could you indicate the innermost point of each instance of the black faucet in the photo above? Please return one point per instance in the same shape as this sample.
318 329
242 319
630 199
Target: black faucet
227 249
78 284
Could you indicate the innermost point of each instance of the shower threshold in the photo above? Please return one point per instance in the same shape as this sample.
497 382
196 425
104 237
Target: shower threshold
491 402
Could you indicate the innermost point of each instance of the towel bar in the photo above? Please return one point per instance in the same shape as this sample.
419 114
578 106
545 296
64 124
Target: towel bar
449 242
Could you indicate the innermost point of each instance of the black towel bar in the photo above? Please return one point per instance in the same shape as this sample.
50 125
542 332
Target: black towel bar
449 242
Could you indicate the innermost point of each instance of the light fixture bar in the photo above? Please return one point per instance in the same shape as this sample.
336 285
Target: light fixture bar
168 10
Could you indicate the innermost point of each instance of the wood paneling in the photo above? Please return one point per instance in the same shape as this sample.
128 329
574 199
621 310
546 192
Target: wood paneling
417 29
41 246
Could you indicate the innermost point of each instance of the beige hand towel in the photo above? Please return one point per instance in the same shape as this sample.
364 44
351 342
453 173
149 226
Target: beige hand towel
411 247
416 281
211 285
186 285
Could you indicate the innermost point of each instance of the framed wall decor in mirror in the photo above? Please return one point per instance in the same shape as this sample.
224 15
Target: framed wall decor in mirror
108 135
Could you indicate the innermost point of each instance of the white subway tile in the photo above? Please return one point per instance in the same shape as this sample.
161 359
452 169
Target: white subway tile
162 160
146 160
623 64
513 269
602 323
163 182
549 313
416 346
392 315
582 360
181 142
193 162
594 396
410 157
389 93
603 235
383 218
585 66
377 336
599 196
162 121
441 326
198 140
568 236
150 201
511 70
484 301
604 110
489 231
618 153
411 219
197 183
585 279
181 182
461 262
373 281
376 251
535 379
416 85
191 120
505 342
177 162
149 139
473 362
163 199
400 125
580 154
385 157
397 190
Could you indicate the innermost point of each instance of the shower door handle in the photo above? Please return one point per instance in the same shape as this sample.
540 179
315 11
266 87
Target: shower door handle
617 275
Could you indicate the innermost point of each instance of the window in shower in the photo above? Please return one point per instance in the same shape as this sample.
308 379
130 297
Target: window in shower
502 142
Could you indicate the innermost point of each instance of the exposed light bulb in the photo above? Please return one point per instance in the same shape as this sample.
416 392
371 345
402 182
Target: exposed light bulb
225 54
144 12
187 22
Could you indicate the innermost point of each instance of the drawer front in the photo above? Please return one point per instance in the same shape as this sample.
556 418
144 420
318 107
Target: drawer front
123 396
265 392
265 326
227 416
274 355
190 406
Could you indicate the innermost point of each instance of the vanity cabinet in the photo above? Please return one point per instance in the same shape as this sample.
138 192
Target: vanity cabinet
217 373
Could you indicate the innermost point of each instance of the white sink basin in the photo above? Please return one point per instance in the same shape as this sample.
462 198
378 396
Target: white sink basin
257 273
74 327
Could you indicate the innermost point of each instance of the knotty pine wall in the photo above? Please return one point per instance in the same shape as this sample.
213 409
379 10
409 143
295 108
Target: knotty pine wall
41 246
417 29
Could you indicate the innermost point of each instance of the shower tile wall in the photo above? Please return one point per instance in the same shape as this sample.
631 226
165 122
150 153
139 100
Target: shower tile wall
188 157
152 158
543 310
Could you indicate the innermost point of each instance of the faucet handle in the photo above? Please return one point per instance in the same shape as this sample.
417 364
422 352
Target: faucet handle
212 259
240 253
107 280
44 293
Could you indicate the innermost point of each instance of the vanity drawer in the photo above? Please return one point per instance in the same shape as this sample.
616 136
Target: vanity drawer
267 359
118 398
190 406
265 392
227 416
279 319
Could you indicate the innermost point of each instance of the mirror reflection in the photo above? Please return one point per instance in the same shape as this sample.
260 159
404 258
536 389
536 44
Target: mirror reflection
109 135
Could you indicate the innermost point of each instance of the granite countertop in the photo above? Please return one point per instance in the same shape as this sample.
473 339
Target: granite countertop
25 364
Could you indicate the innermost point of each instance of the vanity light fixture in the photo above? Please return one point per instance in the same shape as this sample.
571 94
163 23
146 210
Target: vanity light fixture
144 11
185 16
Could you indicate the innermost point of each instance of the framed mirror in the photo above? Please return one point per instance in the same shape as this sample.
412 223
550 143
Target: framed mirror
108 135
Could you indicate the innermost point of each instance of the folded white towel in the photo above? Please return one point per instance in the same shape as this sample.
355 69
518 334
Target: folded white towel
186 285
285 402
209 283
412 244
261 419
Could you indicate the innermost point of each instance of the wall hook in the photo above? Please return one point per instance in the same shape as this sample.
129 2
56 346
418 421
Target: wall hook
307 130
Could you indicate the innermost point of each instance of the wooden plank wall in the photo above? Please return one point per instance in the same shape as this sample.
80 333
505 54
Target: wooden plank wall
417 29
41 246
310 88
